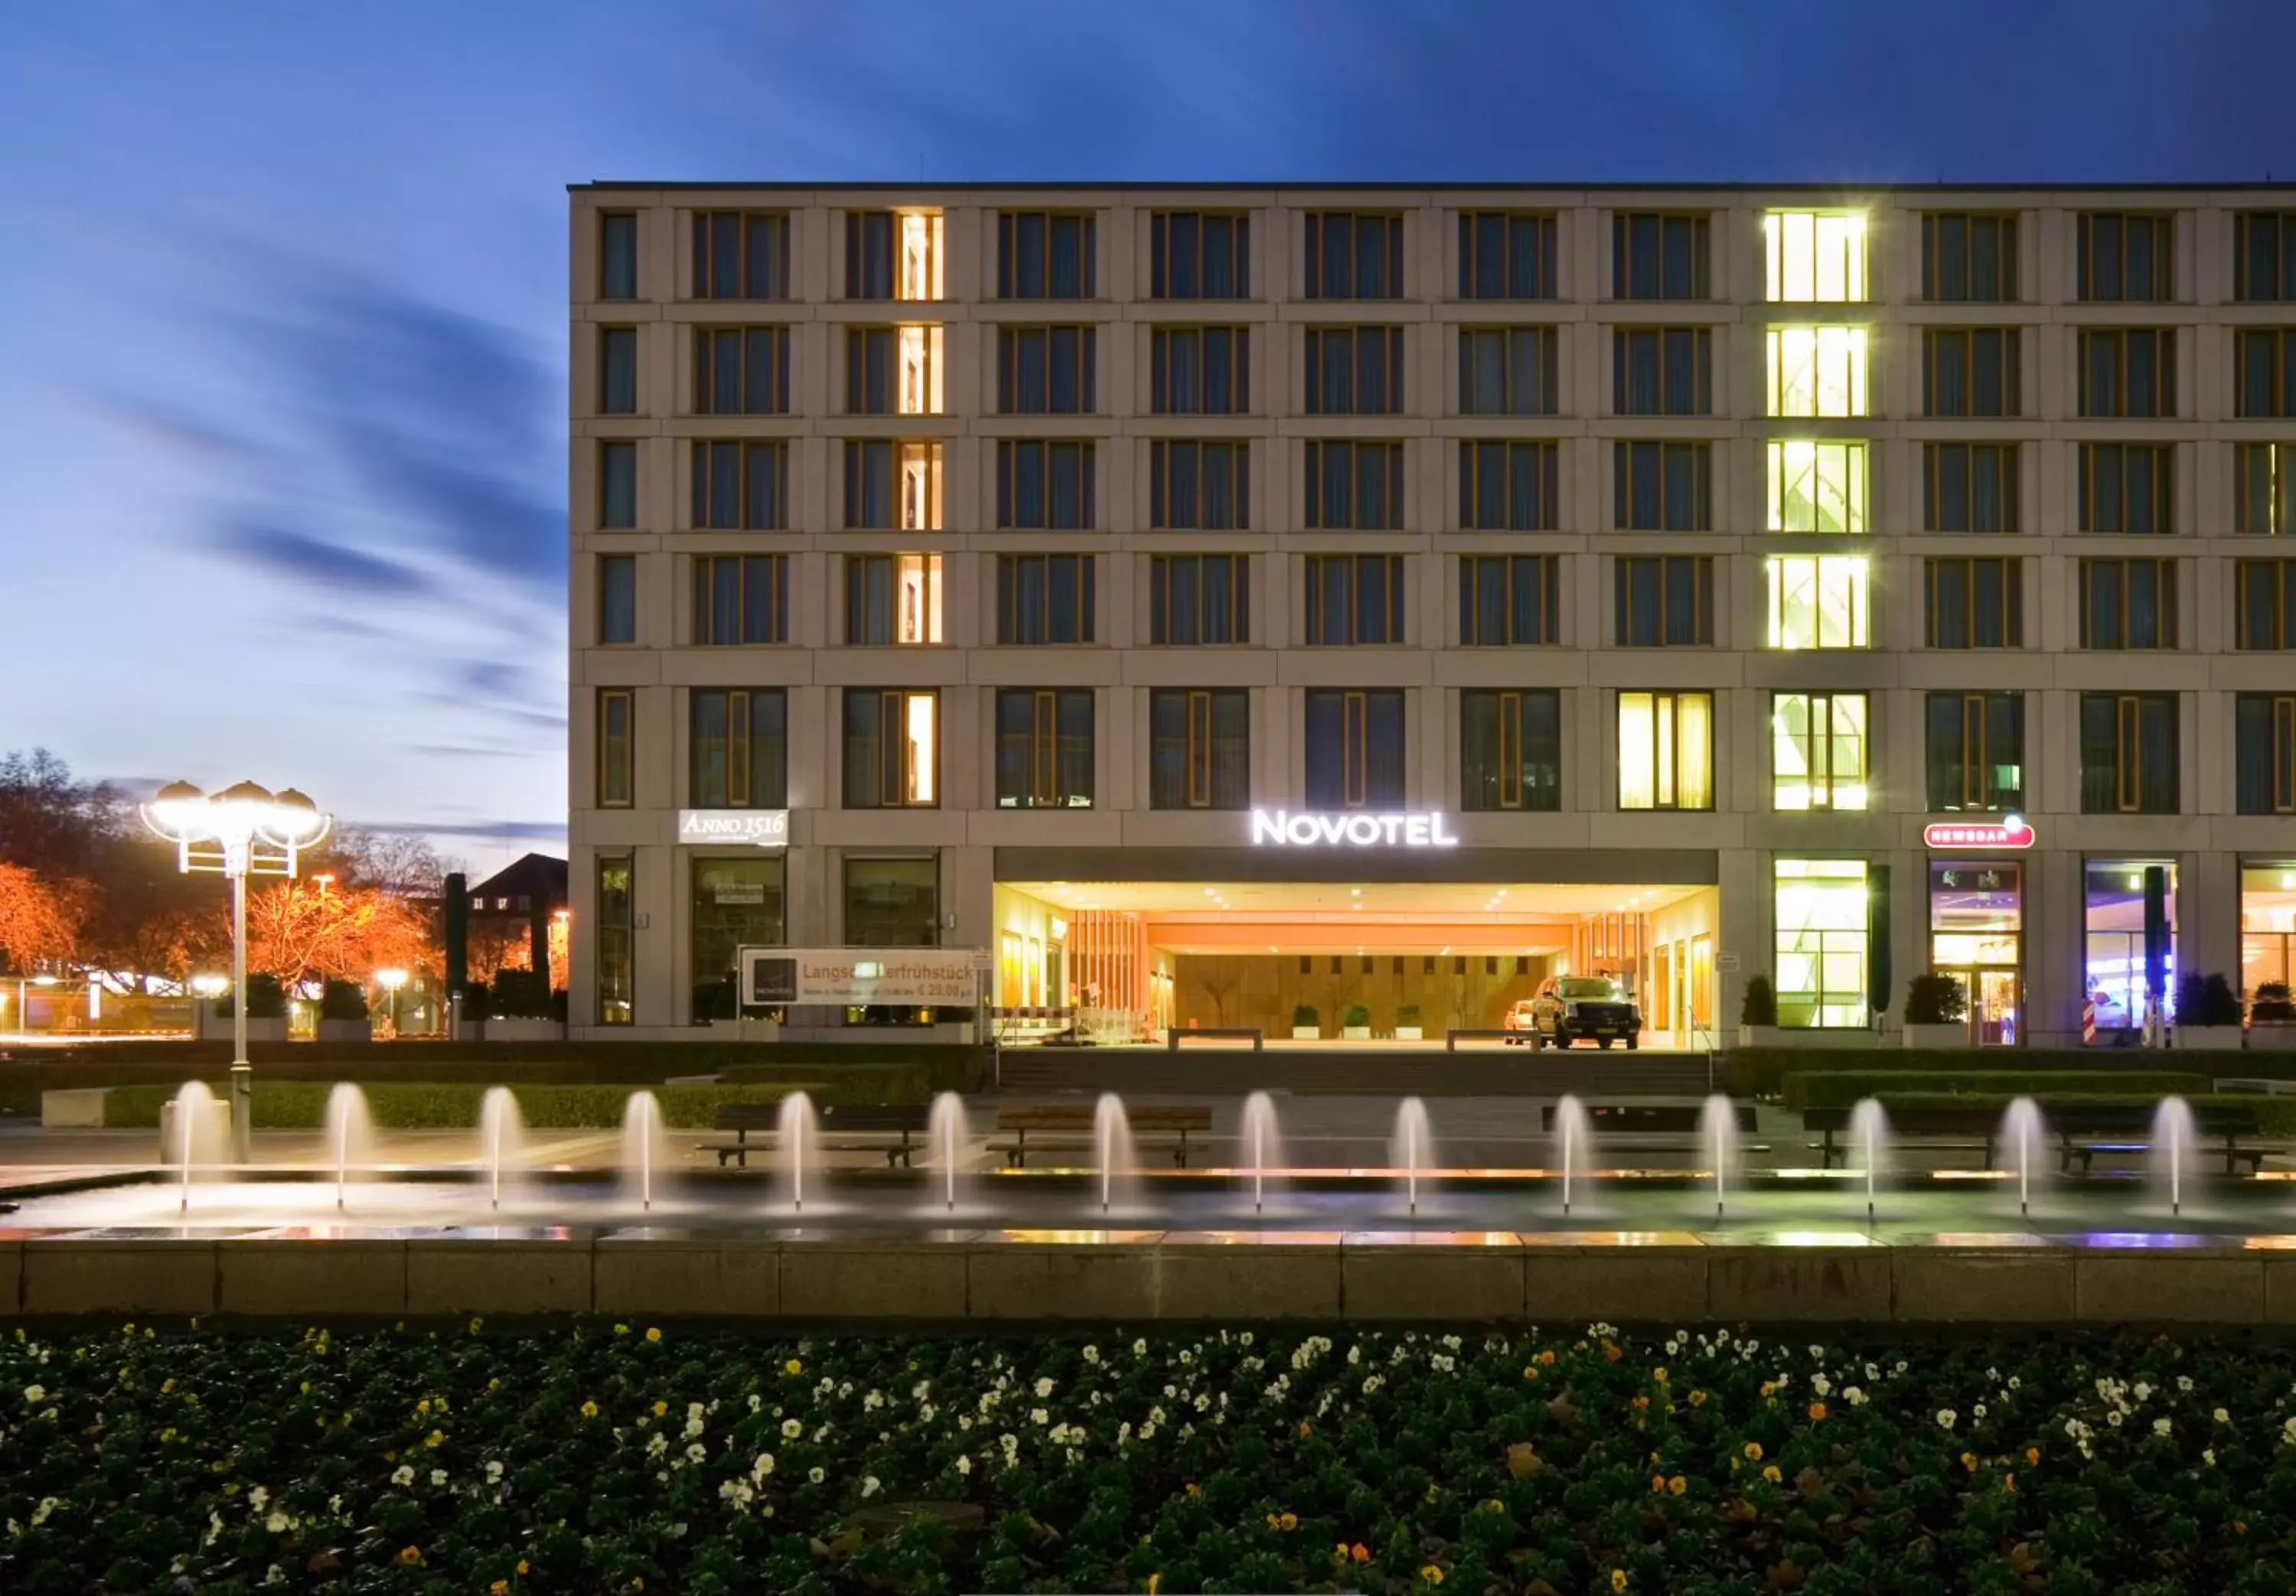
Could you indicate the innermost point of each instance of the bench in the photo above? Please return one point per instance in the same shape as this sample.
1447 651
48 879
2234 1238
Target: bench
2079 1130
894 1130
1641 1120
1228 1033
2255 1085
1068 1128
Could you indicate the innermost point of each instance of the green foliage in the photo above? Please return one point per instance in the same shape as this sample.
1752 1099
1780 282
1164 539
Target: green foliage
477 1001
1355 1014
2273 1004
2206 1001
1842 1088
342 1000
1407 1015
2275 1116
1760 1005
1304 1014
266 998
1762 1071
1935 1000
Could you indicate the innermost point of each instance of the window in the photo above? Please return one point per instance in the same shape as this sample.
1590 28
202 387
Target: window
1355 749
1510 749
1044 748
740 371
1507 486
1969 259
2124 257
1507 371
617 255
1355 370
1199 748
1817 371
1655 255
742 254
1970 371
892 255
2128 487
1353 486
892 600
617 735
1045 255
1817 750
1975 603
1662 371
1352 257
1044 599
1815 257
892 483
615 920
1506 255
1666 750
2264 603
738 742
1193 255
740 599
1195 486
1045 485
894 371
2264 489
1045 371
2128 603
617 371
618 486
741 487
2264 256
1662 487
1817 600
1353 598
1976 752
1816 487
1969 487
1822 936
1509 598
2264 381
1200 371
618 599
1665 601
892 903
893 748
2129 753
2128 371
735 904
1199 599
2264 739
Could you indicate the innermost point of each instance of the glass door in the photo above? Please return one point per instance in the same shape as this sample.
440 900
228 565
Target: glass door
1994 1002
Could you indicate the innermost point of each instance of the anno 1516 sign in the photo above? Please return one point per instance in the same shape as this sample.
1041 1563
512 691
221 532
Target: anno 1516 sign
2010 832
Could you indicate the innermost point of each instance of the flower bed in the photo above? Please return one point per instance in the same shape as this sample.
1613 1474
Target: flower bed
625 1458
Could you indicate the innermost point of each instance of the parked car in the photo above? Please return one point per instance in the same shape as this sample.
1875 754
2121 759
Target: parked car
1522 1021
1594 1008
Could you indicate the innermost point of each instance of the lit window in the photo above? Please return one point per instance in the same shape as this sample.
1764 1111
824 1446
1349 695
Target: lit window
1817 750
1666 750
1816 487
921 371
1817 600
1816 258
1817 371
892 600
891 754
921 486
921 255
1821 943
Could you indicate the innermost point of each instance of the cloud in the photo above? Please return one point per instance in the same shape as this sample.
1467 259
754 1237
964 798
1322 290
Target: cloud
495 830
447 750
299 557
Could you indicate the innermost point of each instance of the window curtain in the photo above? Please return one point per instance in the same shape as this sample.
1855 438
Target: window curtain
1990 352
864 751
1375 505
1382 752
1181 485
1639 506
1948 374
2255 789
1530 259
1682 583
1168 749
1993 626
1532 597
764 615
1373 573
1219 371
1635 376
1326 750
2100 742
768 275
1946 762
619 358
1686 388
1016 725
1072 713
1685 487
1988 493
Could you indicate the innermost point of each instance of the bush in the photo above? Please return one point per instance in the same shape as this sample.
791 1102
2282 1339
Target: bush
2275 1115
1935 1000
2206 1001
521 994
1842 1089
267 999
2273 1004
1407 1015
1304 1014
477 1001
1760 1006
1763 1071
342 1000
1355 1015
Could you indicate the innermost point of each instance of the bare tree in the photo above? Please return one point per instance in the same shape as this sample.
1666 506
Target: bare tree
1218 982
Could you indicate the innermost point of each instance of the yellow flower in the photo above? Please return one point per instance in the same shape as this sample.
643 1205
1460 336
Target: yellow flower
621 1329
422 1408
501 1587
2032 1455
1431 1575
1698 1399
1360 1553
1155 1580
1659 1375
1530 1372
1657 1483
1289 1521
1768 1386
1969 1462
475 1323
1339 1553
660 1408
1271 1521
435 1439
1816 1413
637 1585
411 1556
1754 1451
1678 1484
1770 1472
166 1386
1618 1579
1546 1359
522 1566
589 1410
1194 1489
652 1335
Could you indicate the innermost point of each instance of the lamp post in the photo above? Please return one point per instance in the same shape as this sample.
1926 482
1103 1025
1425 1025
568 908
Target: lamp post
235 833
391 981
23 1014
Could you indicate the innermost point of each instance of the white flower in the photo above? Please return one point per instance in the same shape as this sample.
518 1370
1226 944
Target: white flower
963 1463
1037 1416
756 1401
257 1498
821 1434
844 1390
1672 1346
2113 1418
1092 1354
762 1467
1147 1432
1155 1415
1978 1410
1355 1355
692 1427
1946 1417
48 1504
1246 1339
926 1412
35 1393
657 1443
868 1485
815 1476
791 1430
2160 1427
1124 1432
2143 1391
872 1401
2221 1417
1820 1384
736 1491
1816 1353
697 1454
2185 1384
1873 1373
1044 1389
403 1474
1139 1348
693 1410
2014 1382
2210 1457
494 1473
277 1522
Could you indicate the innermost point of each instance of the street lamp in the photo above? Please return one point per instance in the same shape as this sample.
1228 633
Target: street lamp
23 1014
391 981
240 831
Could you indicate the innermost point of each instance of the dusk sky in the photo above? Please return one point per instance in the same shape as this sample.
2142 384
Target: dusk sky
283 409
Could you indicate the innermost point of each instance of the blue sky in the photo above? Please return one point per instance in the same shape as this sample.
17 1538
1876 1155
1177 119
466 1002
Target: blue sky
281 387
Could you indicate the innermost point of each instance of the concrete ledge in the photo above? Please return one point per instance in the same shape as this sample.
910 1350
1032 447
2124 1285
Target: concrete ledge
2163 1287
1799 1284
873 1279
1475 1284
686 1279
164 1277
316 1277
2027 1286
1210 1281
1028 1281
473 1275
1619 1285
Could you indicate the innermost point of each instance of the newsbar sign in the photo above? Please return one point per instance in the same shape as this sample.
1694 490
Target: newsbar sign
759 828
1281 828
2011 832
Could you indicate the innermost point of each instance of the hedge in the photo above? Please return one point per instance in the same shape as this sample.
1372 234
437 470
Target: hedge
1842 1089
1761 1071
302 1105
2275 1115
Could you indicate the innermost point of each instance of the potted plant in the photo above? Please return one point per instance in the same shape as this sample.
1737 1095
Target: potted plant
1937 1012
2272 1015
1758 1012
343 1013
1354 1022
476 1004
2208 1014
267 1007
1307 1024
1407 1023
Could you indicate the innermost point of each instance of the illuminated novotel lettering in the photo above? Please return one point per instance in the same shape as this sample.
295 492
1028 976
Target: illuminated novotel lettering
1281 828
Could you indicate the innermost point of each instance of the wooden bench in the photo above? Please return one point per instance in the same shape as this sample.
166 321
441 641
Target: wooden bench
895 1130
1640 1120
1068 1128
2079 1132
1229 1032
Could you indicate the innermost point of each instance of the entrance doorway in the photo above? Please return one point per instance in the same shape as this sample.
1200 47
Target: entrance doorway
1977 931
1994 999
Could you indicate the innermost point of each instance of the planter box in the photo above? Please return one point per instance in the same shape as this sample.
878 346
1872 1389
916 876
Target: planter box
1406 1032
1307 1032
346 1030
1355 1033
527 1029
2208 1038
216 1027
1948 1033
76 1108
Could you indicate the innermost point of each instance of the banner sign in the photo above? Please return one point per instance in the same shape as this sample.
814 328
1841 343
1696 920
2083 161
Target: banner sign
2010 832
936 977
1281 828
762 828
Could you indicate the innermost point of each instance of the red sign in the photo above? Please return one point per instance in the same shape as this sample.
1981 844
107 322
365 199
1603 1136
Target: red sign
2011 831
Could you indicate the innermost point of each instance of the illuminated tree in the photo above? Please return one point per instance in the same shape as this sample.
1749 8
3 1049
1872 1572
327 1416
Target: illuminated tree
306 930
39 919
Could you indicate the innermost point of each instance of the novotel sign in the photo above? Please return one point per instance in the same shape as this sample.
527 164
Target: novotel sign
1281 828
2010 832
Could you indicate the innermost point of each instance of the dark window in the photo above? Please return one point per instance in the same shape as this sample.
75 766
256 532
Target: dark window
1195 256
1976 752
1044 599
618 486
2128 604
892 903
617 255
2127 487
1969 487
741 255
617 598
1195 486
1355 370
2264 489
740 599
1352 257
2129 753
1975 603
741 487
869 254
1044 748
892 600
1507 486
1045 485
1199 748
1507 371
1506 255
1353 598
615 943
2264 739
1662 487
617 746
1045 371
739 746
2264 256
2264 376
1655 255
740 371
1662 371
617 371
1046 255
892 750
1353 486
1199 599
871 370
1510 749
2129 372
2125 257
2264 603
1665 601
1509 598
1355 749
1970 371
1969 259
871 502
1200 371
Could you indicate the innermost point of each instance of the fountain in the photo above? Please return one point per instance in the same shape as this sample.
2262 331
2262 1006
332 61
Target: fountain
1412 1146
350 1135
197 1137
644 1143
2021 1130
2176 1146
502 1139
949 1136
1869 1133
1717 1134
1112 1139
1574 1142
800 1144
1260 1144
